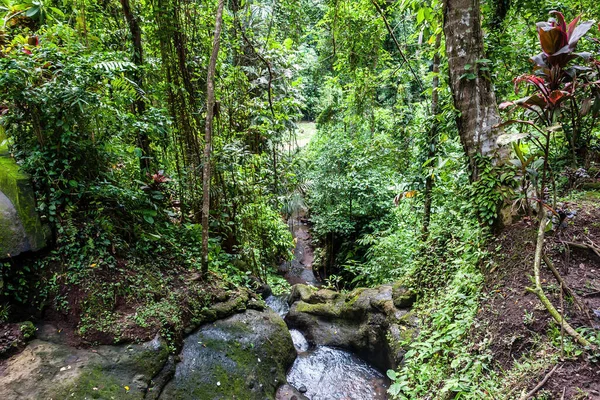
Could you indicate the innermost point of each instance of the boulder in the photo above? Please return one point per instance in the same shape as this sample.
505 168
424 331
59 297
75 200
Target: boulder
373 323
20 226
48 368
245 356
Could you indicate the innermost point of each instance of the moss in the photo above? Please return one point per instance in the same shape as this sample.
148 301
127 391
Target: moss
27 329
16 186
233 305
322 309
403 297
151 361
325 295
247 377
96 383
302 292
224 386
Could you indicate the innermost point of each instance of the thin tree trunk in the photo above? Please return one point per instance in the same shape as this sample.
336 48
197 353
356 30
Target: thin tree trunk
471 87
432 139
139 106
210 108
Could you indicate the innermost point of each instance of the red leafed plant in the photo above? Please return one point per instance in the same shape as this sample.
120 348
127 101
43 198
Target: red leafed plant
562 93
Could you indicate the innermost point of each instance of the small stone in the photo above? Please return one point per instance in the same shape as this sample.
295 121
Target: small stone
302 389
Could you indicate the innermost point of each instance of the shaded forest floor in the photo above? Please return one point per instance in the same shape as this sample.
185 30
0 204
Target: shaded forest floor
524 340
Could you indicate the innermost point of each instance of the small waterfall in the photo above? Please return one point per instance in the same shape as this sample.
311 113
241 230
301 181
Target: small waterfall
326 373
300 342
278 304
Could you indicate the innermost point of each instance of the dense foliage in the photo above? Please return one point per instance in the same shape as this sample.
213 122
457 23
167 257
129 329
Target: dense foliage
104 105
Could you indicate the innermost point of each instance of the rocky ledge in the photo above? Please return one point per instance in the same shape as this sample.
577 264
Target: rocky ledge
373 323
242 356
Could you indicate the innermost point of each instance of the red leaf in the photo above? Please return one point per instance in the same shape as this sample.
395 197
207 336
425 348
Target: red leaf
557 96
551 38
578 33
572 25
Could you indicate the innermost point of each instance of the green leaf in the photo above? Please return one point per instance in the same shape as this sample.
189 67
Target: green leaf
420 15
395 389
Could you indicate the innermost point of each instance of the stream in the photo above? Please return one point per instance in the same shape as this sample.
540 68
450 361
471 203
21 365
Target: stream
327 373
323 372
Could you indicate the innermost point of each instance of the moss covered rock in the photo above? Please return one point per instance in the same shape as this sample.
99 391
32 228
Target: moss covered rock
51 369
245 356
373 323
20 227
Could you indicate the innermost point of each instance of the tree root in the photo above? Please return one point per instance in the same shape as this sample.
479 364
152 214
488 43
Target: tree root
539 292
539 385
584 246
568 291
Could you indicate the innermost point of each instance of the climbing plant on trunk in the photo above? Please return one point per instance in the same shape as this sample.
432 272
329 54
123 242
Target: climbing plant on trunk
470 83
210 112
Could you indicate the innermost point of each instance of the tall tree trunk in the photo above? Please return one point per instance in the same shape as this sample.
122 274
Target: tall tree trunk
432 136
139 106
210 108
473 95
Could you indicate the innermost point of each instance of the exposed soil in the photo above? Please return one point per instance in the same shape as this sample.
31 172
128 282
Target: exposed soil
514 320
190 296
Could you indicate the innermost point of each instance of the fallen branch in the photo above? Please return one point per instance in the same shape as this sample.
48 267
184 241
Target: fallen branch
591 294
584 246
539 385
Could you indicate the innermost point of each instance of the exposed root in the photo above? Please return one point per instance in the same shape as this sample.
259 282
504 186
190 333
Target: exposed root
568 291
539 385
584 246
539 291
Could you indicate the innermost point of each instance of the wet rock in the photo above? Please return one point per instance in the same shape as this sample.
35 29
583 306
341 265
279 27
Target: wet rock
54 370
288 392
245 356
369 322
302 389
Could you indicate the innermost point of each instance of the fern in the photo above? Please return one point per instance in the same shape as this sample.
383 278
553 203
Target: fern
115 66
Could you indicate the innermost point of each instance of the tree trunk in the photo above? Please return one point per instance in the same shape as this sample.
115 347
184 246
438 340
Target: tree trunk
210 108
471 87
139 106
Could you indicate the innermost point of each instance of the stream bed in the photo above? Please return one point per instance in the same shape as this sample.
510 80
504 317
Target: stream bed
328 373
322 372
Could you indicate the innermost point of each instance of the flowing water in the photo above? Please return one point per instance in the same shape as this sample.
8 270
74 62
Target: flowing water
327 373
322 372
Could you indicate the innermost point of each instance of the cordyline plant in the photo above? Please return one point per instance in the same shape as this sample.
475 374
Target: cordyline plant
563 94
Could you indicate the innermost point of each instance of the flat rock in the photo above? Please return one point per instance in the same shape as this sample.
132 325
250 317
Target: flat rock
52 370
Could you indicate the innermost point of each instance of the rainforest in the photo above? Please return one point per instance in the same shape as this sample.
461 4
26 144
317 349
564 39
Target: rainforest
300 199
